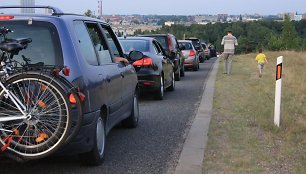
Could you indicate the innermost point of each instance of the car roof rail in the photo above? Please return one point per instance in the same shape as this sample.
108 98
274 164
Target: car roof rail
56 11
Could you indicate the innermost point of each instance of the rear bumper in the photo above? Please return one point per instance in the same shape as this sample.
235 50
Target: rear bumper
148 83
190 62
84 140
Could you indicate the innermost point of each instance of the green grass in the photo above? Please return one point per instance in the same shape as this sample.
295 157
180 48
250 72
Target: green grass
242 135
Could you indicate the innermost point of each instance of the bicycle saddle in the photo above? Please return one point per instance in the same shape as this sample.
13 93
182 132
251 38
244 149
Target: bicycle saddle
11 47
24 41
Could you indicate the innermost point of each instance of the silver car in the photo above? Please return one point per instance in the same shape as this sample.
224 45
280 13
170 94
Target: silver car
190 54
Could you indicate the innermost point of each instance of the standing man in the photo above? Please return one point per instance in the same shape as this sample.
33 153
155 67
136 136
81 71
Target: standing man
229 41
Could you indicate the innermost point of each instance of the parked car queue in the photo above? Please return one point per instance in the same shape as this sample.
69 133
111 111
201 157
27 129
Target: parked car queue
98 89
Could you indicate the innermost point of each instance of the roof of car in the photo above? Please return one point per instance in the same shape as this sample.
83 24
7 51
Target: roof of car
57 13
147 35
136 38
185 41
193 38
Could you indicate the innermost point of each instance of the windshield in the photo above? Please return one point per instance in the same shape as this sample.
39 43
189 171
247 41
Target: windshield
132 45
45 46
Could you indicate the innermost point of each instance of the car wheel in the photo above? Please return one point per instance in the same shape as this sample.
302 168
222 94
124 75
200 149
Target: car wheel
201 59
160 93
178 74
196 66
172 87
132 120
183 71
96 155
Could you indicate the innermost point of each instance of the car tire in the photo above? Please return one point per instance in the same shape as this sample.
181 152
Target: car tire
95 157
195 67
160 93
132 120
202 59
182 71
172 87
178 74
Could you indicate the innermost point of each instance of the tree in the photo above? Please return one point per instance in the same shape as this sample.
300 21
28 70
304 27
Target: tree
275 43
89 13
289 34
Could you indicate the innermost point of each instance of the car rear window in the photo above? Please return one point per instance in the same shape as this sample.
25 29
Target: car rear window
45 46
187 45
163 41
131 45
204 46
196 43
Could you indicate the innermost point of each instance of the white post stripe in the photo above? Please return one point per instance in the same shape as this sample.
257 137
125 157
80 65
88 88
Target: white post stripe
278 93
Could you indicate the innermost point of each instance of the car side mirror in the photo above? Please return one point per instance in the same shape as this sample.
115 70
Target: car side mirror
135 55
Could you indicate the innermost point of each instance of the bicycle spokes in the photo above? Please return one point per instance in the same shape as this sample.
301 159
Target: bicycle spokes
46 117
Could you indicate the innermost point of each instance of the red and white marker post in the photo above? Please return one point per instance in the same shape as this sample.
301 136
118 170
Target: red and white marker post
278 90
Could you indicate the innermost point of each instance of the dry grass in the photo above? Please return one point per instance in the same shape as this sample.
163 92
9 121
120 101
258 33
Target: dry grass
242 135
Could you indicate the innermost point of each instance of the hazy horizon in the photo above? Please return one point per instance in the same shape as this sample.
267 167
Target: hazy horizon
175 7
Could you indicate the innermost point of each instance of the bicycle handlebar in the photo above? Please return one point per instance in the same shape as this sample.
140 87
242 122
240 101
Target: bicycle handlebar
4 31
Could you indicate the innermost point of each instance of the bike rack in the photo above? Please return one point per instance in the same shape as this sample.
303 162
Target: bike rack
55 10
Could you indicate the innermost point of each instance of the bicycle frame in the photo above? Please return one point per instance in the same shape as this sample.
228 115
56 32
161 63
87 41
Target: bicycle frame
14 99
17 103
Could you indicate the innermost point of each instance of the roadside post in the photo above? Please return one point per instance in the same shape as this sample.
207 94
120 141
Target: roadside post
278 90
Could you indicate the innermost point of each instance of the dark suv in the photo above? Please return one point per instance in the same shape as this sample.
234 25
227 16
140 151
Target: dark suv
108 90
200 50
171 46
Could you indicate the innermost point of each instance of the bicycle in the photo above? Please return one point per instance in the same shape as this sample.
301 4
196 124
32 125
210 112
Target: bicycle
35 112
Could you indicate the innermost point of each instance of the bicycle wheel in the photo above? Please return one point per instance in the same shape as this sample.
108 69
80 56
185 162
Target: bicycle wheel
49 111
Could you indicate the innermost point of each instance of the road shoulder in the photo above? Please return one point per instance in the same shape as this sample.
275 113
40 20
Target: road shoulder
192 155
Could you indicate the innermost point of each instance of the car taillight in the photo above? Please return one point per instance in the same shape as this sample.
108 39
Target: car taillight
192 53
143 62
6 17
73 100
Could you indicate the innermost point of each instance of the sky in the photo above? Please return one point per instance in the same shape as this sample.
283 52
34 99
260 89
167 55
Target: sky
175 7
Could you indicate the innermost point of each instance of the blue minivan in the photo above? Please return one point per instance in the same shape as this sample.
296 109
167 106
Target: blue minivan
107 90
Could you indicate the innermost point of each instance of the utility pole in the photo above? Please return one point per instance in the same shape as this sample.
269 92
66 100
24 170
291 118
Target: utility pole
100 9
27 3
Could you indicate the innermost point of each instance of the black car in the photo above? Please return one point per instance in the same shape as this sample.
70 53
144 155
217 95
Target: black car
72 109
170 45
213 51
200 49
155 69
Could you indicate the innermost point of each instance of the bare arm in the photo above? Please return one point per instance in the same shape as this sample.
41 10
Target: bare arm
222 42
121 59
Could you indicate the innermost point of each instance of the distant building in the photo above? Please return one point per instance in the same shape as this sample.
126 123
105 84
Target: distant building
290 15
27 3
298 17
199 19
293 16
169 23
222 17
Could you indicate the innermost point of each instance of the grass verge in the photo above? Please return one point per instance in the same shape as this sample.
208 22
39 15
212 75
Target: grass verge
242 137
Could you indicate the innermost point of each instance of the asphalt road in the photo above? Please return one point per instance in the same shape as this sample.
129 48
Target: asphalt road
153 147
